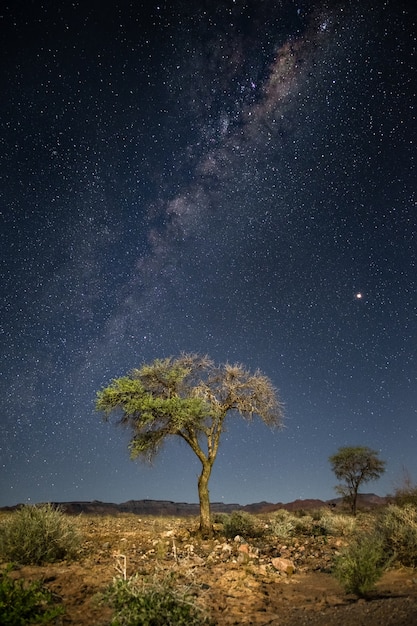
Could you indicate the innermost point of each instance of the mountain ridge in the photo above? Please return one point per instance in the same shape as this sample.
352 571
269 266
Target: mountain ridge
184 509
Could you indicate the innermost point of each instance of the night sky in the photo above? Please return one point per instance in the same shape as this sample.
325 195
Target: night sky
234 178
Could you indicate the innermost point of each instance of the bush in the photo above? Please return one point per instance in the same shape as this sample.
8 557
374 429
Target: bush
361 564
20 604
321 522
38 534
337 524
283 524
241 523
405 495
152 604
398 527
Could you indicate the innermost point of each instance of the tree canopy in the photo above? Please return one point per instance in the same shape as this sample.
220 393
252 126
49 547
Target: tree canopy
188 397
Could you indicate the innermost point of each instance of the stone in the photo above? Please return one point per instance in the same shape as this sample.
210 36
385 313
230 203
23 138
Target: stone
286 566
243 558
226 548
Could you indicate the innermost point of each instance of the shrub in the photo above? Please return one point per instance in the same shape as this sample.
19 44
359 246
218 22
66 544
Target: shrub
361 564
30 604
406 492
283 524
398 527
405 495
337 524
154 603
321 522
307 526
38 534
241 523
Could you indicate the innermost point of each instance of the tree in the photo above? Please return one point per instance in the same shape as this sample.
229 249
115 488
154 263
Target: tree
355 465
188 397
406 492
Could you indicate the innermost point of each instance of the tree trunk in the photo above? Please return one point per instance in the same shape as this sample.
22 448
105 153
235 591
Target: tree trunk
206 527
354 501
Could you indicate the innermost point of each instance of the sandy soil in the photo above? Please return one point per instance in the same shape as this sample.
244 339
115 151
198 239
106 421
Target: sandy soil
235 584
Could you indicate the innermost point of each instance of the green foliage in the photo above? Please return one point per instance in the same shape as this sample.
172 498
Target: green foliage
398 527
361 564
145 407
124 390
153 603
187 396
165 374
22 604
38 534
355 465
156 403
241 523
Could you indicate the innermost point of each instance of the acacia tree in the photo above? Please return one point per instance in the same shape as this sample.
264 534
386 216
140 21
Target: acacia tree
188 397
355 465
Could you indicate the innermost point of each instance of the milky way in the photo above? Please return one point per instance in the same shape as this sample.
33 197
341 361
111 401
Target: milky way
236 179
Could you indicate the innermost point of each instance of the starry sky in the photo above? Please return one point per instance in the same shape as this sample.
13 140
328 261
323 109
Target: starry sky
234 178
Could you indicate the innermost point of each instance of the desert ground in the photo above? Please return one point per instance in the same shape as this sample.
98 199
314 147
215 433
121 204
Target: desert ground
234 580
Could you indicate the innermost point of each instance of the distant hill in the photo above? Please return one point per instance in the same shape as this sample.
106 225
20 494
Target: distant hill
183 509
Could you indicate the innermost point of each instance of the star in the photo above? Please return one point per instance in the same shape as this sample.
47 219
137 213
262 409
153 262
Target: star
206 184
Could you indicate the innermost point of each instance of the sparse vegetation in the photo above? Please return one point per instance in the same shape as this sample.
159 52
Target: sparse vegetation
321 522
361 564
153 603
337 524
398 528
283 524
241 523
28 603
406 496
165 568
406 493
38 534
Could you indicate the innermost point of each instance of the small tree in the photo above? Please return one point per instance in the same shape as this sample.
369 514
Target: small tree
406 492
188 397
355 465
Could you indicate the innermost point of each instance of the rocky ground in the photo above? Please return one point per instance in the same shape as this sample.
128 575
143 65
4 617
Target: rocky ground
260 581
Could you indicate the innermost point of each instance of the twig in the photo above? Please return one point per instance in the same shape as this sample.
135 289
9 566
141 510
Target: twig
120 564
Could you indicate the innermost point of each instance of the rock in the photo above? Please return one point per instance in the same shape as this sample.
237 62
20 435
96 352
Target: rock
197 560
226 548
285 566
189 547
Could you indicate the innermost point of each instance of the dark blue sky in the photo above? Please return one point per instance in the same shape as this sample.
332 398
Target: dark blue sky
217 177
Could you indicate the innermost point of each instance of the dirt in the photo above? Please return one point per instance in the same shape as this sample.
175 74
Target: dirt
234 581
